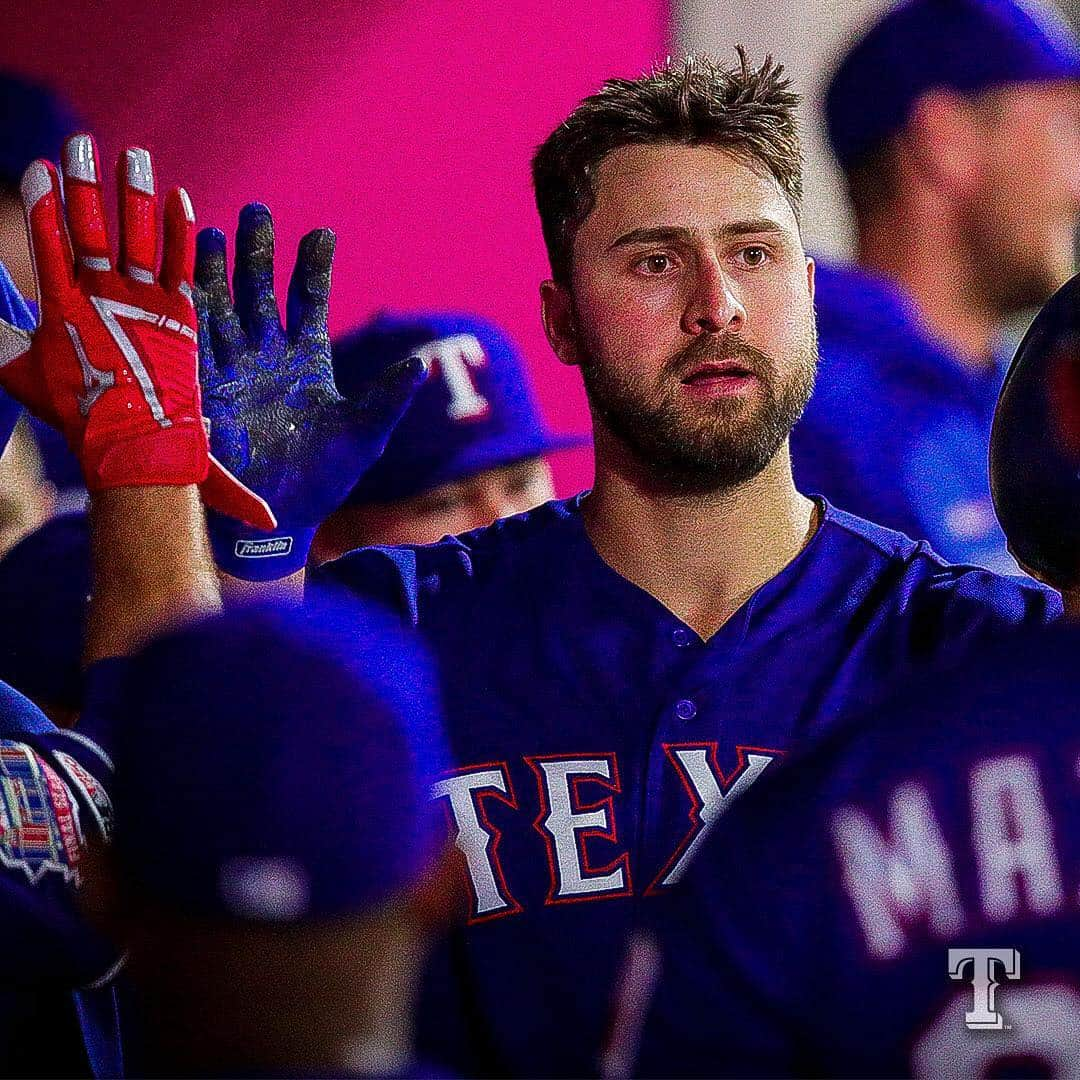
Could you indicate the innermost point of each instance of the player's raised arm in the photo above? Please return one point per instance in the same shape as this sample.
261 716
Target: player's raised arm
112 365
276 418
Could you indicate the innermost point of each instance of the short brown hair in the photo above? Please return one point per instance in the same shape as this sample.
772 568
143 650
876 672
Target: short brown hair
694 101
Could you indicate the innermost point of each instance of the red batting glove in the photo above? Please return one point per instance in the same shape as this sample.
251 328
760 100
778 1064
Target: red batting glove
113 361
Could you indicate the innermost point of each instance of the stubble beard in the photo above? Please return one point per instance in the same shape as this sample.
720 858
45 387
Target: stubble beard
693 447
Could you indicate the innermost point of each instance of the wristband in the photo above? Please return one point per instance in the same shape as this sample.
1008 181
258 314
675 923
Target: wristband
253 555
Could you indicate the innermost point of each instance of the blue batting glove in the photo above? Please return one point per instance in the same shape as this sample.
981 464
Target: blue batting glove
276 418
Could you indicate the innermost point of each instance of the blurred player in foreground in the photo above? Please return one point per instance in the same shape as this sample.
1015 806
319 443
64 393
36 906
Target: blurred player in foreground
470 449
833 903
144 454
277 876
834 926
957 126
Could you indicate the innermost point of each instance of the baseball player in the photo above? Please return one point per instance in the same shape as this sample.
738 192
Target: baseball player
111 363
900 901
956 124
619 666
278 873
470 449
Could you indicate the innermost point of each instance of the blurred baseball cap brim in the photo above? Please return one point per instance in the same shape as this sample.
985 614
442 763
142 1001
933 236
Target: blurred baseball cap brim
469 461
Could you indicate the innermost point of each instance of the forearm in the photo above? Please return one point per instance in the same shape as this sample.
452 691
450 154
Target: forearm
288 590
151 564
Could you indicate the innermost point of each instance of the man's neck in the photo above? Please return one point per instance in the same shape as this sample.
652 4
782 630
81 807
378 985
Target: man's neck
701 556
923 256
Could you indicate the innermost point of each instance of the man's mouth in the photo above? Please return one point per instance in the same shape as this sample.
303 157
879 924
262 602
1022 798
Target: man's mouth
719 377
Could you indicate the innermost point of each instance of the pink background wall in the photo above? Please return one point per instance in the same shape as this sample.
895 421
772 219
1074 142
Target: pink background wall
406 126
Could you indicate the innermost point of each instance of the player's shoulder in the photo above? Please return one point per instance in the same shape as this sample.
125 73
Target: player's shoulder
936 725
409 577
870 335
857 307
923 575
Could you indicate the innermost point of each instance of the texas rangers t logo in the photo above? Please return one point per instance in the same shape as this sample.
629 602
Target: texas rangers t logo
983 1016
453 356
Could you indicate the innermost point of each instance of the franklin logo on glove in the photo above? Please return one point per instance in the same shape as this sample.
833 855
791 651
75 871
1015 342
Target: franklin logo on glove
263 549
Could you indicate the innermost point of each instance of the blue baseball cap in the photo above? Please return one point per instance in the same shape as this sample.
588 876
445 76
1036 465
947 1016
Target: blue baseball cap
34 122
475 412
964 45
275 765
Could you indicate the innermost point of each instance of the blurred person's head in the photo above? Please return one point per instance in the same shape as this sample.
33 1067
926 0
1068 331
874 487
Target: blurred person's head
278 867
470 449
35 123
962 117
670 207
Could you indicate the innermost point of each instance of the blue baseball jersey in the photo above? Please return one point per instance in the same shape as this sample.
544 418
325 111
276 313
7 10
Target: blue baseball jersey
61 466
53 799
834 922
898 429
16 311
596 738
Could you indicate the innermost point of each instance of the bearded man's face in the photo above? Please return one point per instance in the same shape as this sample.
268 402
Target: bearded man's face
693 318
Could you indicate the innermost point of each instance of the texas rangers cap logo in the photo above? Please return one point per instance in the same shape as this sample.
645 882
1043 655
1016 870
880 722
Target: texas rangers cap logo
453 356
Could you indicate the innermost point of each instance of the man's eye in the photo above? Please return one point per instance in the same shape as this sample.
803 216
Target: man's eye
655 264
754 256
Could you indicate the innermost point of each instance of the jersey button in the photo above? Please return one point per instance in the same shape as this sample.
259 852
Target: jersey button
685 710
681 636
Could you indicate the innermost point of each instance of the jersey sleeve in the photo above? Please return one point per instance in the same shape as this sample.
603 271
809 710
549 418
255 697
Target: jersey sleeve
15 310
54 800
959 613
411 581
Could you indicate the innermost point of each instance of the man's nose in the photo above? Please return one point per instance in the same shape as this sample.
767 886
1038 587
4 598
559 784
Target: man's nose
713 305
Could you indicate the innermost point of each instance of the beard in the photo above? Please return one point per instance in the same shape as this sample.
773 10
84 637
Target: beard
702 447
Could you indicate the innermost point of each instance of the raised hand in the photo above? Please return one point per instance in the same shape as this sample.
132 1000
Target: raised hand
276 417
112 362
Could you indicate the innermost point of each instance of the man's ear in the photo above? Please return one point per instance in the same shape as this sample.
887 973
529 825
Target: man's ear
943 141
557 310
